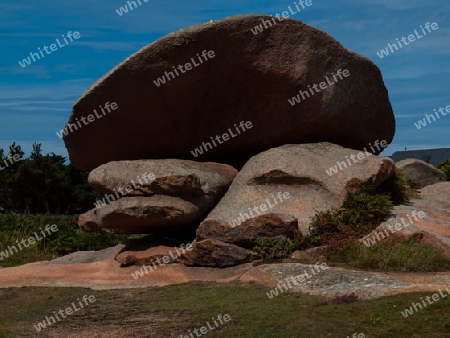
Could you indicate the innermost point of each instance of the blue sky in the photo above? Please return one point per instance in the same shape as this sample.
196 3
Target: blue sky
35 101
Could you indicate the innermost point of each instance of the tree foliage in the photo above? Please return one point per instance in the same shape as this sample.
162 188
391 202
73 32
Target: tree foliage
42 183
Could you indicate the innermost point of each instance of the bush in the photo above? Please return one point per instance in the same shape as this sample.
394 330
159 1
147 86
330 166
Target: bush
358 216
272 249
445 168
399 188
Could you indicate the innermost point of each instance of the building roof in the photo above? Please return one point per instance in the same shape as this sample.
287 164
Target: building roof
431 156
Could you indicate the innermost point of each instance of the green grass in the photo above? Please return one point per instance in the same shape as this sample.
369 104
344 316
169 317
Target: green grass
174 310
394 254
69 238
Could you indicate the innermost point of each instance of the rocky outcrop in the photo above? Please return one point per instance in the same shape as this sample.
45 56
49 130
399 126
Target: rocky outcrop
295 180
154 106
154 196
428 217
270 226
278 191
420 172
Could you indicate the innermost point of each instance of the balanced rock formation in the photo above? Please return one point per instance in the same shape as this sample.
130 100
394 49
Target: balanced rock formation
278 191
420 172
147 196
219 92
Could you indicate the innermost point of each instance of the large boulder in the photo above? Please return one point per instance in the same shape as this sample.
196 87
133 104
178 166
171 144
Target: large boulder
242 86
420 172
295 180
277 192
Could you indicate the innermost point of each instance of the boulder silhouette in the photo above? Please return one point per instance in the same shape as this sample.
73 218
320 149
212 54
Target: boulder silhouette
131 114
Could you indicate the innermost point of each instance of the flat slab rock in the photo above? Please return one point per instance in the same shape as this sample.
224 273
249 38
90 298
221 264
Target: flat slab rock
138 215
149 196
171 177
171 120
147 250
99 270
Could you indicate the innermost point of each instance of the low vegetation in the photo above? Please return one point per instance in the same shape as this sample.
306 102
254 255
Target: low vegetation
42 183
174 310
273 249
358 216
399 188
340 230
69 238
395 253
445 168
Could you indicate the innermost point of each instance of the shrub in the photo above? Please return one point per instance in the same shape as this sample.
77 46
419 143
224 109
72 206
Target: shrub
272 249
358 216
399 188
445 168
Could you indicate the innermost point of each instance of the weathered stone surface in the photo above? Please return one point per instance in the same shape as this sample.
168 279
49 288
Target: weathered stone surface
297 171
141 215
148 196
271 226
250 78
146 257
282 188
428 216
148 250
311 255
179 178
215 253
420 172
89 221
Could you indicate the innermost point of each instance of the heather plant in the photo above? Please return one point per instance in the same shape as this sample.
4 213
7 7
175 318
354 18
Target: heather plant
358 216
272 249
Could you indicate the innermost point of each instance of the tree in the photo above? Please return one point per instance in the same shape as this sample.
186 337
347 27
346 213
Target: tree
43 184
